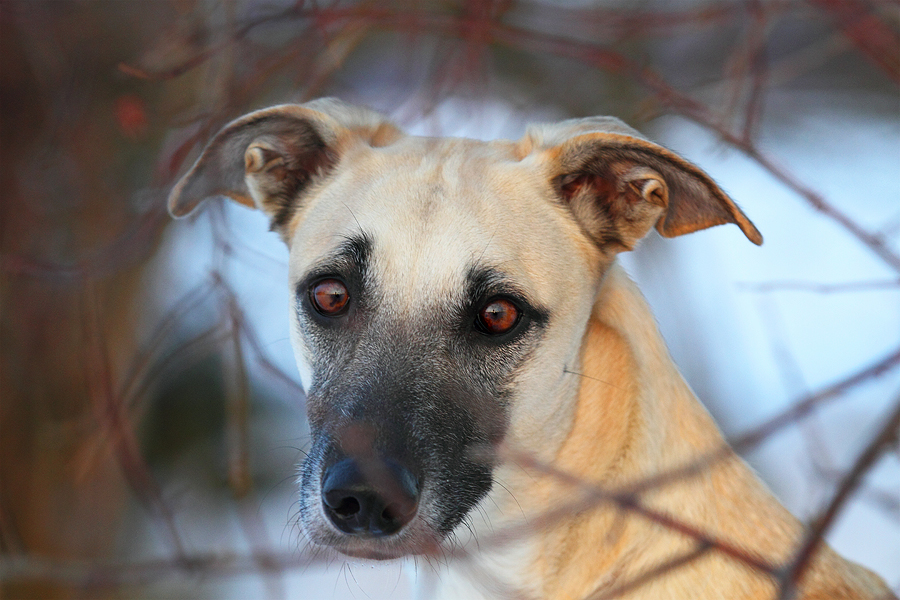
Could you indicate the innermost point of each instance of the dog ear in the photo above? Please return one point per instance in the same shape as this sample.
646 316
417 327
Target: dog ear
269 158
618 185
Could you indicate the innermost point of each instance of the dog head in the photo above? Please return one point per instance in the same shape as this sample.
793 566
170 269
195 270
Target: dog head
441 289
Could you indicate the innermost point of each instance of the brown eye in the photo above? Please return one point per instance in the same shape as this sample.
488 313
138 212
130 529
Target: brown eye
499 316
330 297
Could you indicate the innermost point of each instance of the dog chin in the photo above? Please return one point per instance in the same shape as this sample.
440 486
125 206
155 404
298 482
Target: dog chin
416 540
376 551
360 552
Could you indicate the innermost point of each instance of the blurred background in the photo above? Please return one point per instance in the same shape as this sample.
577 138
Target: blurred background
151 417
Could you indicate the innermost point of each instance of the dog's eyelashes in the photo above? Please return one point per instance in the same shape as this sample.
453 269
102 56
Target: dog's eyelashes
330 297
498 316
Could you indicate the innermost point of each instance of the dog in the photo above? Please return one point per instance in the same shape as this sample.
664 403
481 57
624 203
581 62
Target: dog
481 364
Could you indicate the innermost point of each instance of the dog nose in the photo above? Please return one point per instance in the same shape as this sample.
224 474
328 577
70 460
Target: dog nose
369 497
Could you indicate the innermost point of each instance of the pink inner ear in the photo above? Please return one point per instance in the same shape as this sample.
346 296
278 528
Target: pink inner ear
595 185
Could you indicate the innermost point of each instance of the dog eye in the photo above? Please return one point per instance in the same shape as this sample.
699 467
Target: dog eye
498 316
329 297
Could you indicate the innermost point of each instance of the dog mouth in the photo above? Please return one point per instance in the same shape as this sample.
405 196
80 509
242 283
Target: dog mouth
357 522
366 504
372 554
372 493
372 549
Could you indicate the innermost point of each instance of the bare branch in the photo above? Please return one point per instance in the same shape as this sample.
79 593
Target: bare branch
888 435
820 288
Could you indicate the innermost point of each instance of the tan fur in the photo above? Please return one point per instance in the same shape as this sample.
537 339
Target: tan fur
602 402
649 421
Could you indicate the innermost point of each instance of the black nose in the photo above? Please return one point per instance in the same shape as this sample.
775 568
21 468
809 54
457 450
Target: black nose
369 497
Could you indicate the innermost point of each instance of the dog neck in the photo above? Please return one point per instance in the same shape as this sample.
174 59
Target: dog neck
592 523
636 418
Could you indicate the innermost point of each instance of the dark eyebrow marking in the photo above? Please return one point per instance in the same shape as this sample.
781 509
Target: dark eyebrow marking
350 260
356 249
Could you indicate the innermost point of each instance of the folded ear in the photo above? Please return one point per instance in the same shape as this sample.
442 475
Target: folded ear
269 158
618 185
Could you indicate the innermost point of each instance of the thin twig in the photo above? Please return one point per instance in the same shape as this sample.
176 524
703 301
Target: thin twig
631 502
112 414
108 573
757 435
791 579
650 575
820 288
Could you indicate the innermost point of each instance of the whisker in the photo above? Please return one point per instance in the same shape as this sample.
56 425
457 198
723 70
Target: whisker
570 372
